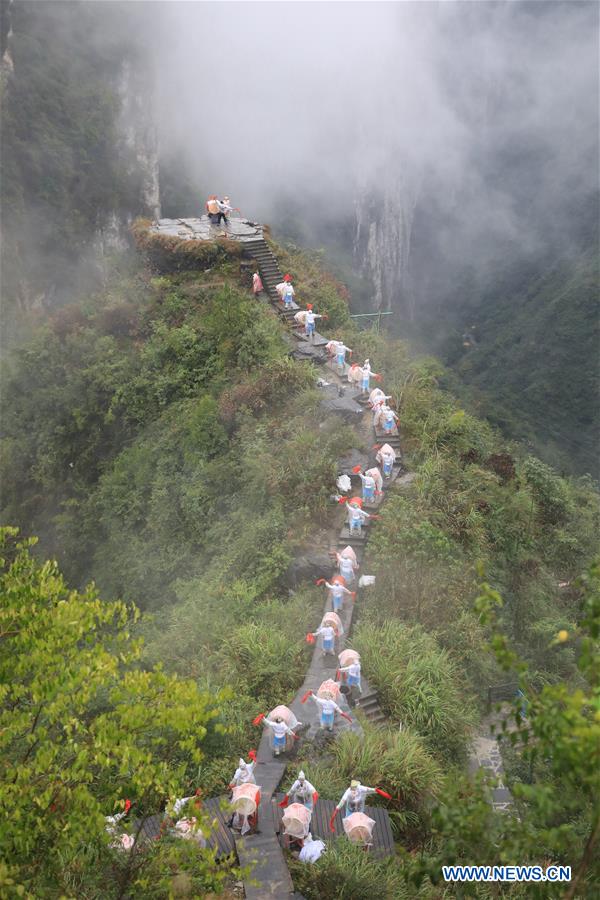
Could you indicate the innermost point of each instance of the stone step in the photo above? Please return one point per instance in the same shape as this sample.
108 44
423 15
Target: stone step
347 538
368 708
368 699
368 695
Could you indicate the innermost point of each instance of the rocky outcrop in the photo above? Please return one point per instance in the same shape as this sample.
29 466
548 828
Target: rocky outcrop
308 567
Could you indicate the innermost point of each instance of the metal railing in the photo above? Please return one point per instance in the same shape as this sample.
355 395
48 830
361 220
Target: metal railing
374 315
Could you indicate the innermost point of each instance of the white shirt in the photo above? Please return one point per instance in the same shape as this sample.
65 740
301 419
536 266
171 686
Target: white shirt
327 706
367 480
179 804
346 566
357 795
301 789
356 514
337 589
311 851
279 728
327 631
353 669
244 776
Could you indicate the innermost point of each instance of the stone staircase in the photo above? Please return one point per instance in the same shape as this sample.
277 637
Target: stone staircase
368 704
268 266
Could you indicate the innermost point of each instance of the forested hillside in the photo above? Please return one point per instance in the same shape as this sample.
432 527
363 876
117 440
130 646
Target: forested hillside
523 343
169 465
160 441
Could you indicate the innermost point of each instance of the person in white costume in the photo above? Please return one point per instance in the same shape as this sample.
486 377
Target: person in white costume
368 486
340 354
356 517
282 286
390 419
280 732
302 791
311 850
244 774
336 591
347 565
327 634
386 456
309 321
327 709
367 374
354 800
352 673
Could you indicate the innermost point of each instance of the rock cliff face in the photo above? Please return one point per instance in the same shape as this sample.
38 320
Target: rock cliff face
382 243
79 148
136 153
138 131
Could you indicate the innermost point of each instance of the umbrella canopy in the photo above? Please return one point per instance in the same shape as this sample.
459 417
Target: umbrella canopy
355 374
357 501
296 820
376 396
376 476
329 690
331 618
386 450
379 416
284 713
348 656
348 553
359 828
245 799
300 317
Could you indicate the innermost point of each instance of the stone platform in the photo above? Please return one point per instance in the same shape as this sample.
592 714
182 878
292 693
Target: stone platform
202 229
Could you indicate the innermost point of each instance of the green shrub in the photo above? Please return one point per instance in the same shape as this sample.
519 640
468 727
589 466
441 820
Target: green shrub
169 253
418 684
346 872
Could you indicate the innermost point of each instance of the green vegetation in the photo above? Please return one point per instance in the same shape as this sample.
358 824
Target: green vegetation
418 684
82 726
170 254
534 369
160 441
556 784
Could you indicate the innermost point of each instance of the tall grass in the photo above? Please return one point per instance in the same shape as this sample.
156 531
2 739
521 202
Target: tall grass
397 761
418 684
346 872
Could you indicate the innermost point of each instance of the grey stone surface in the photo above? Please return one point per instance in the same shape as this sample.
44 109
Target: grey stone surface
354 458
341 405
309 566
201 229
308 351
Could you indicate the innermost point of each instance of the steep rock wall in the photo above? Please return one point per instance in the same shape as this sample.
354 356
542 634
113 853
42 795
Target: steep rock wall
384 221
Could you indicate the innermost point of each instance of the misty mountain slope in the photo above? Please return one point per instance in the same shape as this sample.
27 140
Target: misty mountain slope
162 443
535 367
